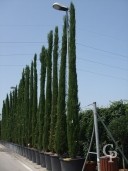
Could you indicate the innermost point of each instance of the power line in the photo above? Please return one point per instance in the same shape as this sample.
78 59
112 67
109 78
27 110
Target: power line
110 66
22 42
102 50
15 54
24 25
102 34
105 75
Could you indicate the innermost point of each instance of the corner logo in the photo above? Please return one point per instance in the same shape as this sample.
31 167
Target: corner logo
112 154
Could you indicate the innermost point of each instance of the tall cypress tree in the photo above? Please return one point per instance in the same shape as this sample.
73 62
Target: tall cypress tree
7 119
34 112
14 116
72 104
12 121
60 134
20 108
54 92
31 104
3 124
48 94
26 104
42 97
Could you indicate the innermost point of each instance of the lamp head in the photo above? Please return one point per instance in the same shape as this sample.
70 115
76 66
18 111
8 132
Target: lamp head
60 7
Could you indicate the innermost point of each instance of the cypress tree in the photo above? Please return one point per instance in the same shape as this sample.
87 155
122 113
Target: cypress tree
72 103
48 94
3 124
20 109
26 104
34 115
60 134
42 97
14 116
7 121
31 104
54 92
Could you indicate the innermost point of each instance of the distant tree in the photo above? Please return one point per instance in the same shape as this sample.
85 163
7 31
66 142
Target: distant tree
72 103
61 129
26 104
54 92
34 112
20 109
31 104
7 119
42 97
3 124
14 117
48 101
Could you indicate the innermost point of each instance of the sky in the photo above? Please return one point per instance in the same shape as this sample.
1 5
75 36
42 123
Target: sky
101 45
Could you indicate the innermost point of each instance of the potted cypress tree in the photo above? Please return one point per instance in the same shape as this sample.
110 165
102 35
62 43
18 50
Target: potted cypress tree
42 104
55 163
73 163
60 143
47 117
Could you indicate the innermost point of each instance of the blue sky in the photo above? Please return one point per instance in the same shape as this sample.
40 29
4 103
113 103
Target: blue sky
101 41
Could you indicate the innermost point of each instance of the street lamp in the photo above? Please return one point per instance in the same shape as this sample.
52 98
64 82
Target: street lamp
60 7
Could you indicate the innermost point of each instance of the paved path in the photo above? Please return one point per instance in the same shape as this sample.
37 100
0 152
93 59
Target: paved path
10 161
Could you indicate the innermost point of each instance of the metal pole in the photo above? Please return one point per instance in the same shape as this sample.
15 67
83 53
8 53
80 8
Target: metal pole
96 135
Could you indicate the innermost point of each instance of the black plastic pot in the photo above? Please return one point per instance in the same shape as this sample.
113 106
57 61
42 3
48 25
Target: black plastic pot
33 156
48 161
55 163
42 159
30 154
71 164
37 157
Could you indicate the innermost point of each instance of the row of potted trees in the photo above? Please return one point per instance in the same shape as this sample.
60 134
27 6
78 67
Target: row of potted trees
51 128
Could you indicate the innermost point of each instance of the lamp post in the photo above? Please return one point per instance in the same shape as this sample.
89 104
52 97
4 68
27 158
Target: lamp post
61 7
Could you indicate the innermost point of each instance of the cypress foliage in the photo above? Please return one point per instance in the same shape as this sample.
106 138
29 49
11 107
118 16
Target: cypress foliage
7 121
60 133
20 108
14 118
34 115
42 97
72 104
26 104
54 92
48 94
3 124
31 104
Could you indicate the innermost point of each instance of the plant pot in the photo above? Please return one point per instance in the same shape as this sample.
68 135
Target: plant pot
69 164
106 165
42 159
55 163
30 154
37 157
33 156
48 161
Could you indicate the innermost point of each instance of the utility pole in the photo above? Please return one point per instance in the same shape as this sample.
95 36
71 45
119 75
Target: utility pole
96 135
